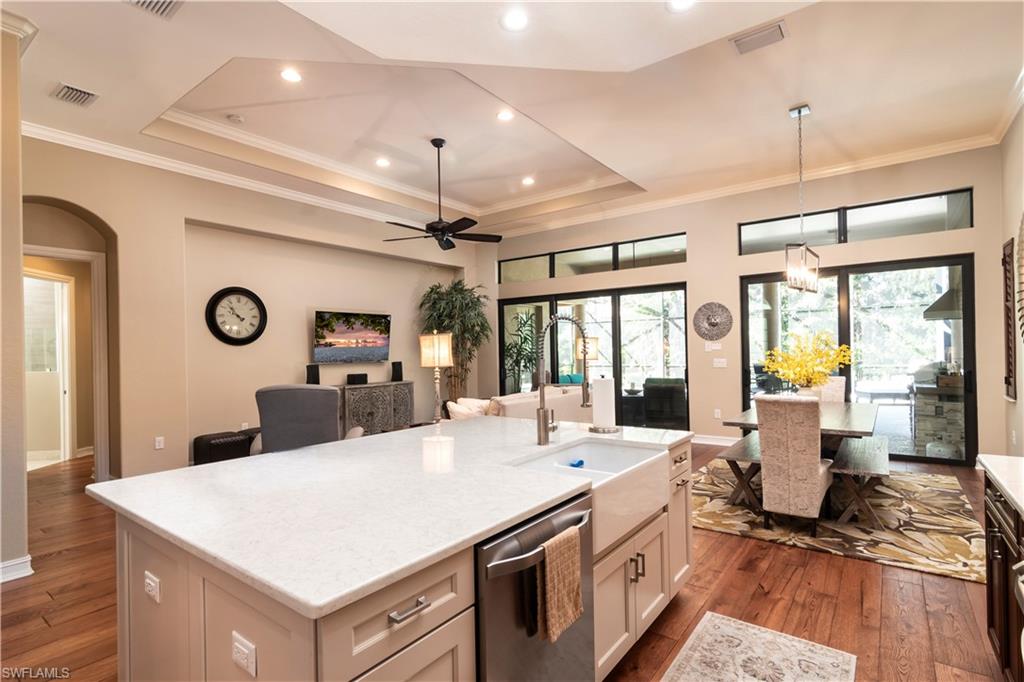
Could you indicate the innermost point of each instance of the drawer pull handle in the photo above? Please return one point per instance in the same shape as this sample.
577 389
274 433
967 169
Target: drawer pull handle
641 565
679 460
635 577
681 484
397 617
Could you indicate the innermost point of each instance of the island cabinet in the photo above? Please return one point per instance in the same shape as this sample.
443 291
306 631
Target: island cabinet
1003 551
181 618
639 576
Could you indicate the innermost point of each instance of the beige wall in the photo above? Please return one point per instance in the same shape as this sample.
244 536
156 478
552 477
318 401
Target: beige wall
293 280
148 209
713 269
81 323
13 529
1012 149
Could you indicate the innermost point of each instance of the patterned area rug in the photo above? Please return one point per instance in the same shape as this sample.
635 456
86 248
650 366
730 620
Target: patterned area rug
929 524
725 649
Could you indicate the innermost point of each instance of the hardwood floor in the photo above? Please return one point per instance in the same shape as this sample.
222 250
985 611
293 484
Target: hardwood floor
902 625
65 614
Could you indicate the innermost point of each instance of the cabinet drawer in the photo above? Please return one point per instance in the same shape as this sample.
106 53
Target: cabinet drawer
680 459
363 634
447 654
1003 511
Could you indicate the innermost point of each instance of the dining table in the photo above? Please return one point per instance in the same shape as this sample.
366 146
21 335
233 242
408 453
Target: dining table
850 420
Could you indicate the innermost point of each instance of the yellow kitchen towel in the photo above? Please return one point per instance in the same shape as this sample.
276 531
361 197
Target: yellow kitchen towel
559 592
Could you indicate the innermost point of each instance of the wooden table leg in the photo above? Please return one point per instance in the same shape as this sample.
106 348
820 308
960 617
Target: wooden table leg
743 487
859 504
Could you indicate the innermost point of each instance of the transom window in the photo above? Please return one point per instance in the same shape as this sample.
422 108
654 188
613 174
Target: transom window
639 253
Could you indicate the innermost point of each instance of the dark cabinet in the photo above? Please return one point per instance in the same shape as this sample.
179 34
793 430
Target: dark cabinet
1002 553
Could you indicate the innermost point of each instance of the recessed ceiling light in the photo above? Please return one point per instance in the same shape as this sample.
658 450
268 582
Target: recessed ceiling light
291 75
506 115
528 180
382 162
514 19
680 5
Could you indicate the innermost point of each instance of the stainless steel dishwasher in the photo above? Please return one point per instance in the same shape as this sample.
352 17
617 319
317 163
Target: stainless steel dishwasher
508 647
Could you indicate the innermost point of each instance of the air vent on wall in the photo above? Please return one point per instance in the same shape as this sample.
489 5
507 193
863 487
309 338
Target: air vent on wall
758 38
162 8
72 95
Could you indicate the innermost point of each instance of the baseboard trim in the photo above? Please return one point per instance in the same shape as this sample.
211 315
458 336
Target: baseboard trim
724 441
16 568
84 452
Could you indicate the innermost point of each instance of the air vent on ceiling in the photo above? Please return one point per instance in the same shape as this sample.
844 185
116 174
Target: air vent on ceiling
72 95
164 9
758 38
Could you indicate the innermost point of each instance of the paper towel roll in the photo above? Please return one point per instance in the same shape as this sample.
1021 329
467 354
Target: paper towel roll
604 402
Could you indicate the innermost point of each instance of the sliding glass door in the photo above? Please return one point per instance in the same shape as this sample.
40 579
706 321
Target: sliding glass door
910 325
637 336
520 324
652 352
908 328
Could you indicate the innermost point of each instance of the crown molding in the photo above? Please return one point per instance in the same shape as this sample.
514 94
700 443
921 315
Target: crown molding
919 154
19 26
209 127
95 146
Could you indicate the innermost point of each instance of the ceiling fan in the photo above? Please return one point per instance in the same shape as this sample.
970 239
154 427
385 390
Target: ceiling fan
440 229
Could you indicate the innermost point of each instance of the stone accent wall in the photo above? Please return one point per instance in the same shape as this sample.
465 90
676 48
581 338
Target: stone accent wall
938 419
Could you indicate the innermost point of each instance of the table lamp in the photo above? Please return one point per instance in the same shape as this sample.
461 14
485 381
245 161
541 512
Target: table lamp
436 352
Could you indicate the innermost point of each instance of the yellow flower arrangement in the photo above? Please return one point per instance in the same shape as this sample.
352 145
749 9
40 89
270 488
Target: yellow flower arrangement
809 361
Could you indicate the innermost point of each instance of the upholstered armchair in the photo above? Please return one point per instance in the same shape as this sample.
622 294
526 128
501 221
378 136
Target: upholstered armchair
296 415
794 478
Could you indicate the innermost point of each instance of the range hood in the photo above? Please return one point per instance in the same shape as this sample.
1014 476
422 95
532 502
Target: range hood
946 307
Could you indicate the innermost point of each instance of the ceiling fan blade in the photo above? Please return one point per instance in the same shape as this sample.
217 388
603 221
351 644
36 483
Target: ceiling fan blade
408 227
460 225
402 239
446 244
491 238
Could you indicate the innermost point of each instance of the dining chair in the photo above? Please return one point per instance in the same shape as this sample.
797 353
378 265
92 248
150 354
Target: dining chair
296 415
834 390
794 477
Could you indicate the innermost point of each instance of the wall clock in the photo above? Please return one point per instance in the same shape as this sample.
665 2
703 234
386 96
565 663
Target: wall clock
712 321
236 316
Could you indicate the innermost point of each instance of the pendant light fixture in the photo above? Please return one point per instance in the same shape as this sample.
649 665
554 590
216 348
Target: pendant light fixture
802 262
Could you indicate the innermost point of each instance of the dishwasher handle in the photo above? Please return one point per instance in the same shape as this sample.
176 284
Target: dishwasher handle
496 569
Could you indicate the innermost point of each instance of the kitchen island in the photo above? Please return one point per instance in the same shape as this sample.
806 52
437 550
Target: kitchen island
293 565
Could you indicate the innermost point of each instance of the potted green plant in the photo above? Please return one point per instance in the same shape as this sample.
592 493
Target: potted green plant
520 349
461 310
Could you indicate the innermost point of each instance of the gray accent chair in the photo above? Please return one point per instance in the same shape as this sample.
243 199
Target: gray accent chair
794 477
296 415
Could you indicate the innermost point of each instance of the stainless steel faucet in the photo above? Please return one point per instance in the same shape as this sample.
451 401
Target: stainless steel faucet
546 418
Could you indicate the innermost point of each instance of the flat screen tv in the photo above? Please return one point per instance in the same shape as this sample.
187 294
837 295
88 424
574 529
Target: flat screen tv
350 337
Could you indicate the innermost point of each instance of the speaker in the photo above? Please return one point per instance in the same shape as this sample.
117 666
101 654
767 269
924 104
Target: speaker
312 374
355 379
396 371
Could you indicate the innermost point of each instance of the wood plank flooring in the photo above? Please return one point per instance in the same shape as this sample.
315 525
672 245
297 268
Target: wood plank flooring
902 625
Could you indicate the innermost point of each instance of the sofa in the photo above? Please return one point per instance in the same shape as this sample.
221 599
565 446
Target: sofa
565 400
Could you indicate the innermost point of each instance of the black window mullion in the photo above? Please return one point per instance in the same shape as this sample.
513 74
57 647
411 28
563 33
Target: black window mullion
843 236
845 329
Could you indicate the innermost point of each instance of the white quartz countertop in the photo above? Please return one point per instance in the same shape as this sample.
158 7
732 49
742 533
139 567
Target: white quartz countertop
321 527
1008 474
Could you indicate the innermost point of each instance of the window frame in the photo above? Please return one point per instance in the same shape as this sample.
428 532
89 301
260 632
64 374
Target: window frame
1009 321
842 236
615 254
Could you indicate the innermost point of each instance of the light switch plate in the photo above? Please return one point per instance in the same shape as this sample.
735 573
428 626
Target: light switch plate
158 443
243 653
151 585
719 363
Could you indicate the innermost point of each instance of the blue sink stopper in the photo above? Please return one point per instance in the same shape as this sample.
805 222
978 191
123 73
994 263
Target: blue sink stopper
576 463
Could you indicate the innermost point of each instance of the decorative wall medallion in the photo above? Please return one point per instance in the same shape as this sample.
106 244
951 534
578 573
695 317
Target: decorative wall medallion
712 321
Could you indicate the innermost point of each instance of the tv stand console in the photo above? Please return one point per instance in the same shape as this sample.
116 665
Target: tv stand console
377 407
